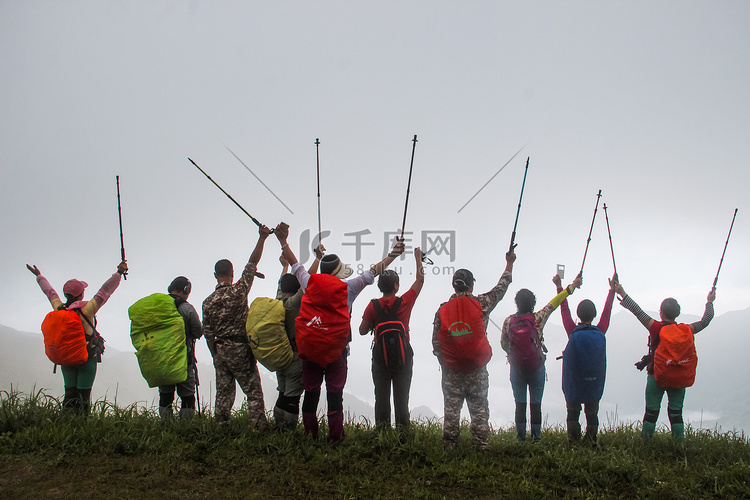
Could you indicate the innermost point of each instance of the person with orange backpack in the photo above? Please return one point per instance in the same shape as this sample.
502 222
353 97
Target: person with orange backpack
70 335
392 354
459 340
523 340
323 330
671 360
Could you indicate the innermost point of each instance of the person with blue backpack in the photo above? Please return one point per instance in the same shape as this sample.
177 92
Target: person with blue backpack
522 339
584 362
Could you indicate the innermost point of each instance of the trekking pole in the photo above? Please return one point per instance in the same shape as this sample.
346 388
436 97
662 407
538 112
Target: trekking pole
119 216
725 251
317 158
518 212
599 195
408 186
228 195
611 248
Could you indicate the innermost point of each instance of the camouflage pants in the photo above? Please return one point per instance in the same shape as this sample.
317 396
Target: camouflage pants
473 387
235 361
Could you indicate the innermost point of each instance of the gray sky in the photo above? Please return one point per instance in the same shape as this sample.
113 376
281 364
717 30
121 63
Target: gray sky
647 101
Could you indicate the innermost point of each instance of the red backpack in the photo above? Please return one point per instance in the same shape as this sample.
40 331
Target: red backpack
526 348
64 338
675 359
322 327
462 337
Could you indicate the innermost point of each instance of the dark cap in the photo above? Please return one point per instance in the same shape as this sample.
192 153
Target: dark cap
463 280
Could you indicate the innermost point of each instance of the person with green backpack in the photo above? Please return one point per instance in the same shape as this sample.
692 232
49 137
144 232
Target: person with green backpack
671 360
179 290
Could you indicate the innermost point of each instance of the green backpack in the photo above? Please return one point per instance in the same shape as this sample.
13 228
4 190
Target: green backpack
157 331
266 333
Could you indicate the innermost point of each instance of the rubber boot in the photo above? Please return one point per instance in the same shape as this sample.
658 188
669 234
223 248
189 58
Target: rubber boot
290 420
521 422
278 418
310 421
335 426
85 402
165 413
186 413
574 431
590 437
521 431
71 400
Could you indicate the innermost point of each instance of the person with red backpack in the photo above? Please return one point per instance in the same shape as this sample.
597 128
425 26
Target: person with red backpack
392 354
523 340
584 362
671 360
323 330
459 340
79 333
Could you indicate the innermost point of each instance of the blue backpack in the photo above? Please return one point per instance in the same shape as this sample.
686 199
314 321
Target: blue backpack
584 365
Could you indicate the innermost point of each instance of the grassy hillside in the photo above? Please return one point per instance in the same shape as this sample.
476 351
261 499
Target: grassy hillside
128 453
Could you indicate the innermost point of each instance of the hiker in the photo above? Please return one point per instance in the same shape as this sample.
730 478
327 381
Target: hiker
179 290
289 380
584 362
464 351
224 316
523 340
78 379
667 375
323 337
392 354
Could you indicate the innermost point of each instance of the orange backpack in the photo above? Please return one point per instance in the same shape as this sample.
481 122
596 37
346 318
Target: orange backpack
462 338
675 359
64 338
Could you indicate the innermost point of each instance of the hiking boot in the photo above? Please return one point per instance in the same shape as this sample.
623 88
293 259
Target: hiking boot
590 438
187 413
165 413
574 431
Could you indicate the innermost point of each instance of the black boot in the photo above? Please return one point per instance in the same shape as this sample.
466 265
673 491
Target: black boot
574 431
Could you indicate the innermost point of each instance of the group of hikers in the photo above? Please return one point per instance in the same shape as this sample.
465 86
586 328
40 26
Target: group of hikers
312 310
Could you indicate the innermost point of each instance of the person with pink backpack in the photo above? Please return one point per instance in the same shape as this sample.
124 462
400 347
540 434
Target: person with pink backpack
522 339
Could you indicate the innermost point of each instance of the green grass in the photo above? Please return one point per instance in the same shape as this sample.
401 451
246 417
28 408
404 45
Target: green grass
130 453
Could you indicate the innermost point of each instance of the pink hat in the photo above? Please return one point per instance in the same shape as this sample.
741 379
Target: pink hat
74 287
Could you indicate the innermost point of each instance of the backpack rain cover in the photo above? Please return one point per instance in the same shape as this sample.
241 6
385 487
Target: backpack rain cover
462 337
584 365
157 331
322 327
266 333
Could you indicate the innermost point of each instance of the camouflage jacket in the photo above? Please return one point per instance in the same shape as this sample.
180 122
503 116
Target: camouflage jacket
225 310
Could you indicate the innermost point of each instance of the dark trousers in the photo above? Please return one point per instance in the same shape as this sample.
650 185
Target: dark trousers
400 379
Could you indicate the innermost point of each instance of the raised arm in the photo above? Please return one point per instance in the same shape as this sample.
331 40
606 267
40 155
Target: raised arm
320 250
282 233
631 306
419 280
567 319
708 313
50 292
542 315
607 312
381 266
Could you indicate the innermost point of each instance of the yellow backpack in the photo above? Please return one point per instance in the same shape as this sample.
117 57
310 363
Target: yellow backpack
266 333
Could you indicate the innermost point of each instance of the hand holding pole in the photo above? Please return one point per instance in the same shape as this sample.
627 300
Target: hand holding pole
119 216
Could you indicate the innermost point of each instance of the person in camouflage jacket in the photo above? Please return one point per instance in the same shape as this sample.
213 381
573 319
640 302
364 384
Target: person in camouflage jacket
224 316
